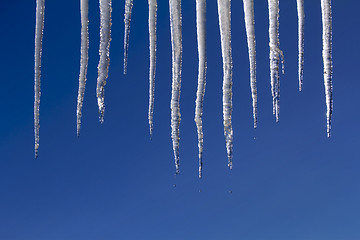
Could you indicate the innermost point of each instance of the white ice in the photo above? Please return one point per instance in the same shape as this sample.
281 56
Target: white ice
84 58
40 9
224 11
127 20
152 48
176 45
103 67
327 58
275 54
250 33
201 39
301 20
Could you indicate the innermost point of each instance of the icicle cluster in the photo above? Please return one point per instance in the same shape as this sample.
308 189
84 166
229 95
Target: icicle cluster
250 33
224 14
127 20
201 40
327 58
301 22
104 52
84 58
176 45
39 28
224 11
152 48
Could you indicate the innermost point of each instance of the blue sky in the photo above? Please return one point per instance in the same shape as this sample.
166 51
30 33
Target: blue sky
113 182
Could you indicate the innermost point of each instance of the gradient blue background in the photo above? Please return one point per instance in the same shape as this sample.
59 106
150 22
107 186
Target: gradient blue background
290 182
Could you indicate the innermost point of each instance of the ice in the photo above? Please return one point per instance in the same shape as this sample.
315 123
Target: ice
40 9
327 58
250 33
127 20
103 67
201 39
84 58
176 45
152 48
301 17
224 11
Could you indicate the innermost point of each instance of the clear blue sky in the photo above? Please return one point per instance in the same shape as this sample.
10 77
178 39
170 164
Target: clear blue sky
113 182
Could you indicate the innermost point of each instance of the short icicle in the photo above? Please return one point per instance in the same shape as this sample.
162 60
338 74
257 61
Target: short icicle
250 33
84 58
152 70
104 51
176 45
127 20
327 59
201 40
224 11
40 10
275 54
301 17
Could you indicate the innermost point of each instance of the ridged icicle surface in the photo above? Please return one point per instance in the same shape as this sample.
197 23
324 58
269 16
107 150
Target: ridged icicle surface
301 20
327 58
104 52
201 40
152 49
176 45
40 10
224 11
127 20
250 33
275 54
84 58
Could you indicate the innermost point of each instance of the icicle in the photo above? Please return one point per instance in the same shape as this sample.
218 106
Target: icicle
103 67
40 8
250 33
224 11
152 48
301 17
84 9
127 20
201 39
275 54
176 45
326 52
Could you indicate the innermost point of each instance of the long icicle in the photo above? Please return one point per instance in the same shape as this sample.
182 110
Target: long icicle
201 40
250 33
176 45
275 54
152 70
103 67
301 17
84 58
224 11
127 20
327 58
40 9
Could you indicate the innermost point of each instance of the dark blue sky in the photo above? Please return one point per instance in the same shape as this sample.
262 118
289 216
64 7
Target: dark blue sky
113 182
